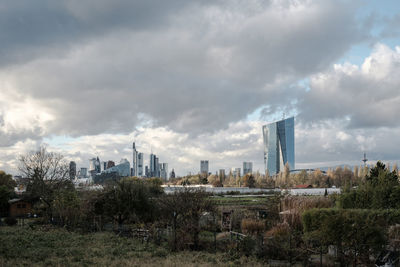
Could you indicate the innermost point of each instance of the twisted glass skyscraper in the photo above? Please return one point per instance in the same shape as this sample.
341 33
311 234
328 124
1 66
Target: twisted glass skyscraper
278 145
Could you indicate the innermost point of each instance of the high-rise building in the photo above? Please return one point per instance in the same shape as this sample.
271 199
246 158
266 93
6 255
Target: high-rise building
172 175
110 164
104 165
92 164
279 145
122 169
236 172
204 166
98 165
222 174
134 161
247 167
153 165
140 165
83 173
157 165
164 171
72 170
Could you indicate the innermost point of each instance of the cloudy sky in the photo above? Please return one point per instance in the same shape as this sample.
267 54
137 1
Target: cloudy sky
192 80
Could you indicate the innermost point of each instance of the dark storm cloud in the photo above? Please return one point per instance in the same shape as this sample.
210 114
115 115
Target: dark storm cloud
32 29
193 67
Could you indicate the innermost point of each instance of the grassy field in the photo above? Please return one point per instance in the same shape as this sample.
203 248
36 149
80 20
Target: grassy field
47 246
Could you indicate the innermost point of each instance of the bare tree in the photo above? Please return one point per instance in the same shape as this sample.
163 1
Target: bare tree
183 210
47 174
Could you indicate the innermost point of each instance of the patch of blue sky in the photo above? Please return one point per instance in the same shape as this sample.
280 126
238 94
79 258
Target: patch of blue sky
60 141
383 7
357 54
304 83
257 114
381 12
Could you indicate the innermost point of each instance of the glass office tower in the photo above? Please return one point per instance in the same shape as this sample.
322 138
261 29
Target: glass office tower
204 166
279 145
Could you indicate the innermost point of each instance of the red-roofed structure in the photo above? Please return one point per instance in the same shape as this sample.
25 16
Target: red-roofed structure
304 186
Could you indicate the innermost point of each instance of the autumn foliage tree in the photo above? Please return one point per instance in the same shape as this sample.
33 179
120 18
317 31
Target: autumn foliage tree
249 180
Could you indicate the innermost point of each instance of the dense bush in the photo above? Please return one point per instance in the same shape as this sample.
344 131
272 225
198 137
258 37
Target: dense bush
7 185
129 200
10 221
294 206
314 219
358 232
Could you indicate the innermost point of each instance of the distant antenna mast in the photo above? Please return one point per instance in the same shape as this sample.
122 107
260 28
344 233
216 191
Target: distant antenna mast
365 159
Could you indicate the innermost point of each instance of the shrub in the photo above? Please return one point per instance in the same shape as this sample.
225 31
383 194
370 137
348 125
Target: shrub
360 231
247 246
250 226
10 221
296 205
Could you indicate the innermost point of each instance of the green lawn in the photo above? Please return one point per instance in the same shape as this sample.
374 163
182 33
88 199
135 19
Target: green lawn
46 246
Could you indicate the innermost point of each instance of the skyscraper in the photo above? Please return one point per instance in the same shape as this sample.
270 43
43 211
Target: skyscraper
134 161
98 165
83 173
103 165
153 165
247 167
157 166
94 166
72 170
204 166
236 172
222 174
164 171
279 145
140 165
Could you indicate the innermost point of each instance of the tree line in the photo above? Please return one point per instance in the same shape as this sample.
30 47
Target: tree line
338 177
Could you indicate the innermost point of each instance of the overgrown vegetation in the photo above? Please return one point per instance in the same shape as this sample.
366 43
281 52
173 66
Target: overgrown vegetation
48 246
132 221
7 185
360 227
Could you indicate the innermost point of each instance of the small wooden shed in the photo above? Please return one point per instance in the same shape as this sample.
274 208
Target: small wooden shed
19 207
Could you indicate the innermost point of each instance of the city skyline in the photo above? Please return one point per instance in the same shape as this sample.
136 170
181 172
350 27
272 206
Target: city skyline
195 80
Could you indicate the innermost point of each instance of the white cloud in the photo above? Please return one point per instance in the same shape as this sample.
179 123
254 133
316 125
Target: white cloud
362 97
21 117
205 65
